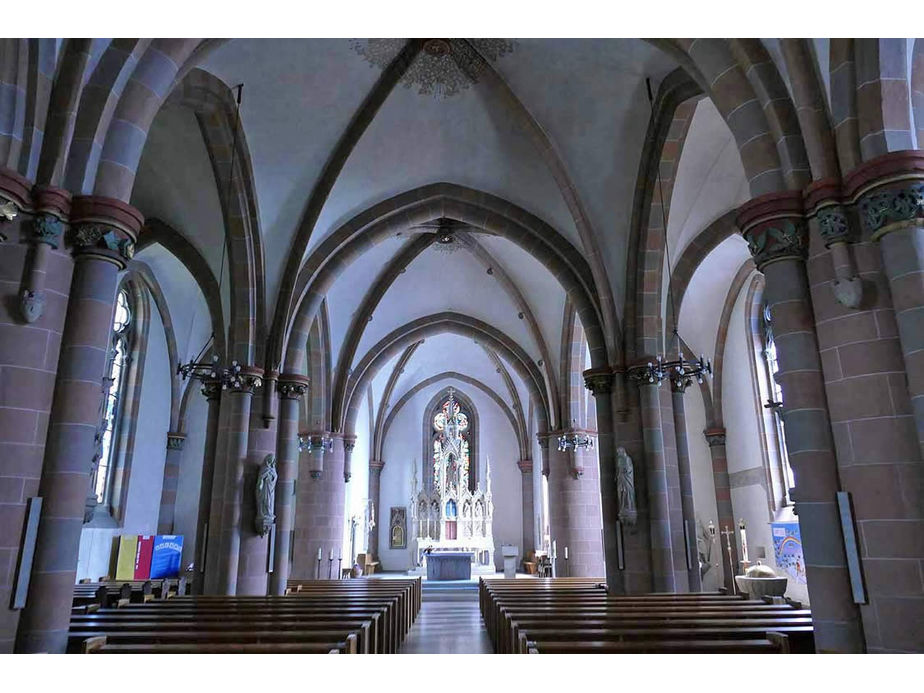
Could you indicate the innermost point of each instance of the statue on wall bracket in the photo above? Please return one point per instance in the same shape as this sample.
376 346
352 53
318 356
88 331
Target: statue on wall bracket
265 496
625 487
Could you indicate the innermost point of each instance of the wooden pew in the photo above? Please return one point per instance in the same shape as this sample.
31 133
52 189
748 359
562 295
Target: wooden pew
100 645
373 616
578 616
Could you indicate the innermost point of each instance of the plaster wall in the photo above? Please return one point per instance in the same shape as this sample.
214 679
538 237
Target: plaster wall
147 467
187 494
744 431
703 482
402 449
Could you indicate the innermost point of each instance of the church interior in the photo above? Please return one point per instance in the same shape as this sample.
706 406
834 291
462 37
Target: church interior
456 345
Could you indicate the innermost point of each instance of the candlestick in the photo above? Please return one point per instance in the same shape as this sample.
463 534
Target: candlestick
566 553
554 550
731 564
744 540
330 565
319 553
331 556
340 567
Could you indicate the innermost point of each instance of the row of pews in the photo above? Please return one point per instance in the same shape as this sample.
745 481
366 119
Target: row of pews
577 615
89 596
314 617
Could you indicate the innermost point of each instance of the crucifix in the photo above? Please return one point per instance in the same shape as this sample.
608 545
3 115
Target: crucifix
727 533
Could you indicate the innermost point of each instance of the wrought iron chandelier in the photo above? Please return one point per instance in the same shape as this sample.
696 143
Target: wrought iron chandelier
575 439
310 443
213 372
679 370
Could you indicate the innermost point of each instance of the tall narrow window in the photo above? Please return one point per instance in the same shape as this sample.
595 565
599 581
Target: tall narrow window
114 391
774 402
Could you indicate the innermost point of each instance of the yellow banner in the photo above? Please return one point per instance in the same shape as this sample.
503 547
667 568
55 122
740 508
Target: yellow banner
125 567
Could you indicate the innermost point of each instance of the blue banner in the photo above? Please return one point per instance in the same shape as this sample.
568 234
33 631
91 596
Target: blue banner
787 549
165 560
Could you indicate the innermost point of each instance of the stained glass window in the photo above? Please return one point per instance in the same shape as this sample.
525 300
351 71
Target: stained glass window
775 399
451 463
114 385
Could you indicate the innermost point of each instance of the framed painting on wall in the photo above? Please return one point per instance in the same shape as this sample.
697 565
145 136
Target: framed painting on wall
397 528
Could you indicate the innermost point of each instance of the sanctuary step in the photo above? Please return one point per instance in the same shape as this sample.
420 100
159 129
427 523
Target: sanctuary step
450 591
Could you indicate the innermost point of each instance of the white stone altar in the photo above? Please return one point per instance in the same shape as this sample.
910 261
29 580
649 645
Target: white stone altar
447 516
455 565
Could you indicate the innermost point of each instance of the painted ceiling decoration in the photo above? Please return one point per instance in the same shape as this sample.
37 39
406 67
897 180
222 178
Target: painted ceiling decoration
443 68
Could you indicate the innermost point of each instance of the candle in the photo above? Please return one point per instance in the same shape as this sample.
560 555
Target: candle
554 549
566 553
331 557
319 553
744 541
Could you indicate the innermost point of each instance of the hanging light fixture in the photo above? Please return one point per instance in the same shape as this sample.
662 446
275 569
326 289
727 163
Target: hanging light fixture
575 439
213 372
679 370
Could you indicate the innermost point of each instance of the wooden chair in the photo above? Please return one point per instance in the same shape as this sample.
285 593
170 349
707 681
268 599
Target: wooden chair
366 563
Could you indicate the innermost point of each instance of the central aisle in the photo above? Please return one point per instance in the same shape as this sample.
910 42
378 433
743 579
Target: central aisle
449 622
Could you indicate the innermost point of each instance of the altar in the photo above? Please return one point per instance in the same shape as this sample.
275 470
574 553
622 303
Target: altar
446 565
451 515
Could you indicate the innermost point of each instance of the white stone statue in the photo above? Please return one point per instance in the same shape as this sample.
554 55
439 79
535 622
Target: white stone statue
625 487
265 496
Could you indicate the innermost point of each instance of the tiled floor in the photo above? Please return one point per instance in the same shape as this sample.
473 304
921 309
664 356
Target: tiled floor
448 627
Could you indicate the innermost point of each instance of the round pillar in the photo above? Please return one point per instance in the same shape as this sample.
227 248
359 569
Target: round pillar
688 511
375 494
101 250
291 388
775 230
212 392
172 463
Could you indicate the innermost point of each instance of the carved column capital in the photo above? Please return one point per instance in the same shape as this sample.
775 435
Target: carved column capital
774 227
211 390
47 229
680 385
525 466
715 436
349 442
104 227
888 192
176 441
250 378
376 466
292 386
599 380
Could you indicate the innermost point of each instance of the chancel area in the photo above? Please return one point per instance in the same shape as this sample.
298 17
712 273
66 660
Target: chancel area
498 345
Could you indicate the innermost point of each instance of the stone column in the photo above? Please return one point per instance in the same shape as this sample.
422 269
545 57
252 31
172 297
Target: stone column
349 443
662 565
600 384
375 494
291 387
775 230
726 515
529 520
212 392
28 363
890 195
101 250
319 509
225 535
253 562
574 512
172 462
686 484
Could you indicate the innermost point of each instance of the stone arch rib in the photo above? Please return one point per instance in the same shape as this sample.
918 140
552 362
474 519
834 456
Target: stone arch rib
522 442
478 209
441 323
